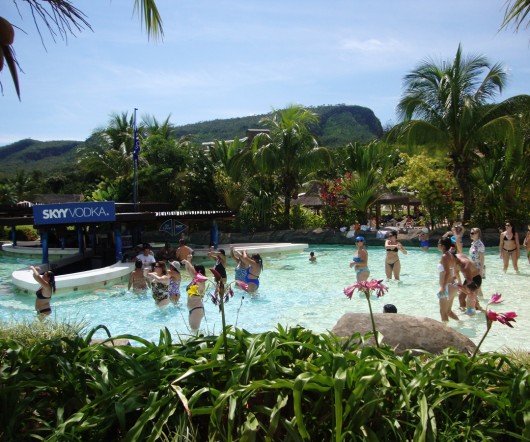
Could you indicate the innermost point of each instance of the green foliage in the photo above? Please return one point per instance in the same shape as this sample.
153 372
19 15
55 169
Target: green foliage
434 184
303 218
287 384
27 233
35 332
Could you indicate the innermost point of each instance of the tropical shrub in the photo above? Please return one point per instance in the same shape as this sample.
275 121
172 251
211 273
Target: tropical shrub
287 384
27 233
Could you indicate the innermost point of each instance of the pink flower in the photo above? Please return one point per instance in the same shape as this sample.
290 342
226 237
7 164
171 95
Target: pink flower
216 275
503 318
242 285
495 298
348 291
367 287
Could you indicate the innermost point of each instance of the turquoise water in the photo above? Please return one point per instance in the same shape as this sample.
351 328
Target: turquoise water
293 292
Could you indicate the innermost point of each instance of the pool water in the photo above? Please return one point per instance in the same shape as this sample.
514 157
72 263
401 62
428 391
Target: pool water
292 292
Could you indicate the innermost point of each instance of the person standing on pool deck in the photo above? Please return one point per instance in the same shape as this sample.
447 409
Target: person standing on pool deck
509 247
195 290
360 260
45 291
447 291
392 263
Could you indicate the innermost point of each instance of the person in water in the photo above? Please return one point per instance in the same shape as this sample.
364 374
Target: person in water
448 290
241 267
360 260
137 279
253 271
220 262
509 247
471 284
195 290
160 284
45 291
312 257
175 279
392 263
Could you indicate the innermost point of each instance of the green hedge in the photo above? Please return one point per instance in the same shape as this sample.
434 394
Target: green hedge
282 385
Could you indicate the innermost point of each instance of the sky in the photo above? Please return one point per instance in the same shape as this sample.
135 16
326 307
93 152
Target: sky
233 58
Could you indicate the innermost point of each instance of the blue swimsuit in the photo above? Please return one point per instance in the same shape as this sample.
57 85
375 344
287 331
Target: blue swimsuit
250 280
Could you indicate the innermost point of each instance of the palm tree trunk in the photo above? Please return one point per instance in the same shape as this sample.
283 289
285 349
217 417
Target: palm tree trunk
287 210
462 175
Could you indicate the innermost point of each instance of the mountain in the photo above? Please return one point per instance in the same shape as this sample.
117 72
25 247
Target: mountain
338 126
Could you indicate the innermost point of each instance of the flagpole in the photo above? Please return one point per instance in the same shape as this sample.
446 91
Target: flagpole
135 160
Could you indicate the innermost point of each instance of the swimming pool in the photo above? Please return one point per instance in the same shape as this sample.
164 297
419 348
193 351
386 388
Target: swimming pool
293 291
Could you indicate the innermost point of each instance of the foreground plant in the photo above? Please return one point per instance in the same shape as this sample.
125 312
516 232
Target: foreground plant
221 295
368 288
491 317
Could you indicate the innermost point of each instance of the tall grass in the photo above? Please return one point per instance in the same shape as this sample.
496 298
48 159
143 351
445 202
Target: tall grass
287 384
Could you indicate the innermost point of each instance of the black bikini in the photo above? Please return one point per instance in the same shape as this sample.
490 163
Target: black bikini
40 295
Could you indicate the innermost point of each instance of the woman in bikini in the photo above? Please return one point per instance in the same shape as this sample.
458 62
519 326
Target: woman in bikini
45 291
448 290
360 260
509 247
137 279
253 271
195 290
174 281
160 284
392 263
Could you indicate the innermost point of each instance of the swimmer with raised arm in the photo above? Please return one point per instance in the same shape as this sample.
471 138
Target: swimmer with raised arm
195 290
253 271
45 291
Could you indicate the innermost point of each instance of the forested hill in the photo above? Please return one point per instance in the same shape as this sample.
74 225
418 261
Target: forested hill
338 126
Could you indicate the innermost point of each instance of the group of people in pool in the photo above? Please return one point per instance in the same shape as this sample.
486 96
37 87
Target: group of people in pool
163 277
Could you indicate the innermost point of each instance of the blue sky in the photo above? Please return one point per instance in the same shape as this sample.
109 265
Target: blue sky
233 58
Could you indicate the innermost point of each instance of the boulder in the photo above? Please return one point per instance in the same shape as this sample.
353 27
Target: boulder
404 332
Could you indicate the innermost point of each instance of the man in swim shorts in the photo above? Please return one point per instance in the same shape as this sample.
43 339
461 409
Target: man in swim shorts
471 284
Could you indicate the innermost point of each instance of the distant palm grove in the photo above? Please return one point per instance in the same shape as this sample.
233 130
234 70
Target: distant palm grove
456 149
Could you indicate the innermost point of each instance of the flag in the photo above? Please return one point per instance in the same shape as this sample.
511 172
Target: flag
136 150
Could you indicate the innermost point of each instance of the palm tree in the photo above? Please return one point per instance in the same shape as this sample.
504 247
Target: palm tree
108 152
289 152
450 102
62 18
516 13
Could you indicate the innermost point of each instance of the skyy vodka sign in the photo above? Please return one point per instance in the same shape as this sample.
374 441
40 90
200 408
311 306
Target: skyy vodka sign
74 213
